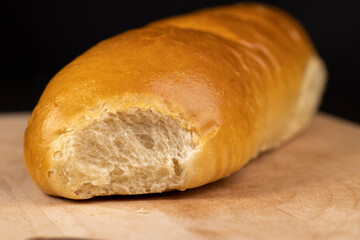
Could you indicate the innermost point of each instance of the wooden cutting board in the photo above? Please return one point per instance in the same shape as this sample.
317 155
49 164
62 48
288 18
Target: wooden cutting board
307 189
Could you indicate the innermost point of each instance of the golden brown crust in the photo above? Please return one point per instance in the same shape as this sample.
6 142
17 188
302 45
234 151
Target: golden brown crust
232 75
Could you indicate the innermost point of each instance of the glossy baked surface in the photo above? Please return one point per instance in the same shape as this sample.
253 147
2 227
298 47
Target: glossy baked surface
232 75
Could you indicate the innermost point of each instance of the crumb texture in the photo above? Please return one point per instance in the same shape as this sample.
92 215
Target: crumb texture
125 153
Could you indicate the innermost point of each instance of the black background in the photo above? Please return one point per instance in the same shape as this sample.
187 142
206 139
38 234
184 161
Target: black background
40 37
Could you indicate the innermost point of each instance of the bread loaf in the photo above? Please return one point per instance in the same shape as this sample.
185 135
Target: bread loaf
177 104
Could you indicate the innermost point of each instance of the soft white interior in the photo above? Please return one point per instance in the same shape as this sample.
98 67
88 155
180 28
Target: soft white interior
125 153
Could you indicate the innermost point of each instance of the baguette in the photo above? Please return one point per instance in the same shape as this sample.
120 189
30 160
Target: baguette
174 105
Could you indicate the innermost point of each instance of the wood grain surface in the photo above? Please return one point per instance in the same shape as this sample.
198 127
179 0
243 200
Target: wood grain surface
307 189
